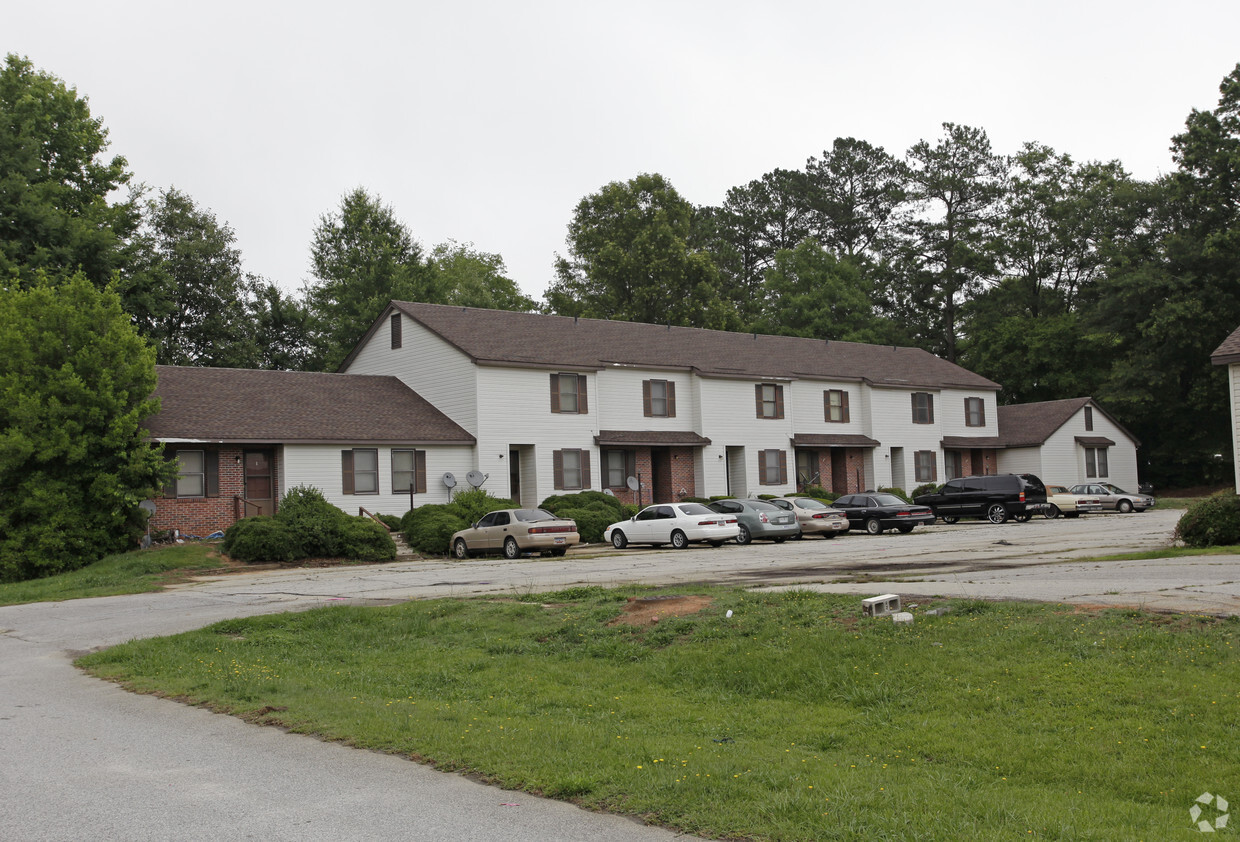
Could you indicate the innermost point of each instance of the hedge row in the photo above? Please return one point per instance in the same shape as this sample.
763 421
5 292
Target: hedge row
307 526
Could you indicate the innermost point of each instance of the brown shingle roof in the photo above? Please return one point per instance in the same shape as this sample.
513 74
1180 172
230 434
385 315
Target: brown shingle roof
508 338
832 440
606 438
1229 351
1031 424
243 405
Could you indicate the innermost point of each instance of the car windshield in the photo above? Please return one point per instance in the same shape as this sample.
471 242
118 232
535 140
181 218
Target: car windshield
532 515
761 506
1114 489
888 500
694 509
810 503
1056 489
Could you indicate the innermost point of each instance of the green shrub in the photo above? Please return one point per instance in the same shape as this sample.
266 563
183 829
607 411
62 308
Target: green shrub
471 505
392 522
591 522
595 500
260 539
702 500
364 540
928 488
818 492
429 528
899 492
1213 522
317 526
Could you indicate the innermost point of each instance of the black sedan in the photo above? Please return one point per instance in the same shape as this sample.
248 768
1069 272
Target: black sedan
877 513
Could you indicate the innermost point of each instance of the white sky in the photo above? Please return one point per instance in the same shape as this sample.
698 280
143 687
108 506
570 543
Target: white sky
487 122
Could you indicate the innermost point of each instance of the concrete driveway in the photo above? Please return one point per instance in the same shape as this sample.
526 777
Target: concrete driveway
82 759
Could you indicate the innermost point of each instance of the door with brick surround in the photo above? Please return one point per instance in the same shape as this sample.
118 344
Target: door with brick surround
259 483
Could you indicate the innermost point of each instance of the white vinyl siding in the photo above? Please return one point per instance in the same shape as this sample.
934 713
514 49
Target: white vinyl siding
319 466
617 399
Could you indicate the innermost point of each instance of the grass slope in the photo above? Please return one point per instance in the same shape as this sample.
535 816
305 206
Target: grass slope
795 719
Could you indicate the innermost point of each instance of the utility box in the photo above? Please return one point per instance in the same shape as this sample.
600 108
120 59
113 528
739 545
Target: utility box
881 606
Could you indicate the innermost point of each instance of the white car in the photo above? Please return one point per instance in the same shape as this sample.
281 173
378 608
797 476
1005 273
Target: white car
678 524
1061 501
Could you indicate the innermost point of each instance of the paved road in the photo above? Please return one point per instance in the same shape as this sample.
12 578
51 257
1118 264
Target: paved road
81 759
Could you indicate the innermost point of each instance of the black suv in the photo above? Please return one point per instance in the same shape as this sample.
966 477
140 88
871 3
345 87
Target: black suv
994 497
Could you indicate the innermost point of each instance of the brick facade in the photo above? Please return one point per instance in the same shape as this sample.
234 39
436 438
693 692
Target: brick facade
841 470
201 516
664 472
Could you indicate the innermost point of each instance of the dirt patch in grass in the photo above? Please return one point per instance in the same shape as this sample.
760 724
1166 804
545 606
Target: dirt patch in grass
649 610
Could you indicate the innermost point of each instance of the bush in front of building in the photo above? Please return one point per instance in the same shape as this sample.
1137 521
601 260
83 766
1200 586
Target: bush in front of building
428 529
306 525
593 511
928 488
1212 522
899 492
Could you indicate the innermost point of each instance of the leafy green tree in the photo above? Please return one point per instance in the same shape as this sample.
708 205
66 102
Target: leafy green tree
186 290
362 258
950 247
55 182
632 258
281 328
473 278
853 194
75 387
812 293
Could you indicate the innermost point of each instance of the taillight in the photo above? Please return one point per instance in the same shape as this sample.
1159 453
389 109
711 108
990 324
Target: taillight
762 517
543 530
1022 497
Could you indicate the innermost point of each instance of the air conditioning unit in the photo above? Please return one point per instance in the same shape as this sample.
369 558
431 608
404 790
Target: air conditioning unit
881 606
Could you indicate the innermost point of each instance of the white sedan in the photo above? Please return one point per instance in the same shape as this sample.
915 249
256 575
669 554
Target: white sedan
1059 500
678 524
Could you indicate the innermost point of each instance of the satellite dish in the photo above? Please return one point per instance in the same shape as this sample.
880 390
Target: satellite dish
609 492
147 506
476 478
632 483
449 480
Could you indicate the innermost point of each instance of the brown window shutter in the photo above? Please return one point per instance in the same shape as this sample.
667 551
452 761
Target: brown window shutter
557 469
396 330
930 407
779 401
630 464
419 471
758 394
555 392
761 465
646 410
582 408
585 470
844 404
671 399
826 404
783 467
211 468
346 471
914 397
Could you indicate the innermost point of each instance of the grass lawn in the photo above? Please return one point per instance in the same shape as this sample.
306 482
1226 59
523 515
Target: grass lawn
795 719
136 572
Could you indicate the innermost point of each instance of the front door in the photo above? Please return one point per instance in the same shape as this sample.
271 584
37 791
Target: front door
259 484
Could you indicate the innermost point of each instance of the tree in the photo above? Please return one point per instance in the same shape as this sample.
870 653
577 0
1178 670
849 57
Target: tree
281 331
853 195
186 290
54 182
812 293
949 247
362 258
75 386
631 258
473 278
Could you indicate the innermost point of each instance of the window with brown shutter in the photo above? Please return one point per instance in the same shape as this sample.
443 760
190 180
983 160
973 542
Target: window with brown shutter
974 412
570 469
359 470
409 469
925 466
770 400
923 408
836 404
658 399
568 394
772 467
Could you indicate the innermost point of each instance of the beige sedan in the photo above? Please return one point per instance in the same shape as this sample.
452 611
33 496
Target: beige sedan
1059 500
516 531
814 516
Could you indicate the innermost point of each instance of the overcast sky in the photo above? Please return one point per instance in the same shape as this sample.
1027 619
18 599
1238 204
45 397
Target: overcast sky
486 122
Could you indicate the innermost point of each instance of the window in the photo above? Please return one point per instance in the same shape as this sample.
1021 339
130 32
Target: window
1096 462
659 398
618 466
568 394
770 400
409 471
192 473
1089 418
923 408
807 468
772 467
836 401
925 468
359 471
974 412
396 330
952 464
571 469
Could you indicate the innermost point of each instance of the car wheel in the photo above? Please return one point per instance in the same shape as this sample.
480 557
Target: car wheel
997 513
679 540
715 544
951 519
1124 506
1051 511
780 539
1071 514
459 549
1023 517
829 535
557 553
743 537
905 528
873 527
618 540
511 550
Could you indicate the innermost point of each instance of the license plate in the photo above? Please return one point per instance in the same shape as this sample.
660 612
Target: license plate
560 540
